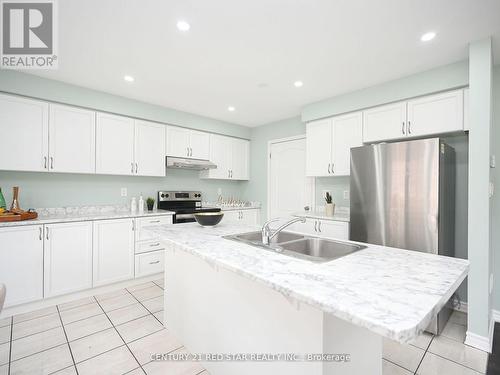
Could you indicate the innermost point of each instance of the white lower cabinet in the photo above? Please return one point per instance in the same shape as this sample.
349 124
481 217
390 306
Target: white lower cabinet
149 263
113 251
141 222
21 263
67 258
323 228
244 217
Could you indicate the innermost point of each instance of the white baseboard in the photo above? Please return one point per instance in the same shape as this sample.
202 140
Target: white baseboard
479 342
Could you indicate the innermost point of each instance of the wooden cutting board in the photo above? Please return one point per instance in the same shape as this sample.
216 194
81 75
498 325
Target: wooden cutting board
17 216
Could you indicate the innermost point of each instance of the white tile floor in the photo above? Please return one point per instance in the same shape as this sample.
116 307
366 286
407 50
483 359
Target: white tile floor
116 333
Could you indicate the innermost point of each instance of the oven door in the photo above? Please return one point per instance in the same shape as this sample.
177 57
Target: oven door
183 218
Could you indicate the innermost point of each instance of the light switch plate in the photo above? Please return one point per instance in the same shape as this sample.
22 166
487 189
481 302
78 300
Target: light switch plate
346 194
493 161
123 192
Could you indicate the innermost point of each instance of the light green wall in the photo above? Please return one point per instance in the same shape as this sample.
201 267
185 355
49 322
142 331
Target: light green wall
47 89
439 79
495 200
54 190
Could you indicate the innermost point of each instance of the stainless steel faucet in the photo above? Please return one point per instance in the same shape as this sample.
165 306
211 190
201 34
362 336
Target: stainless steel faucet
267 236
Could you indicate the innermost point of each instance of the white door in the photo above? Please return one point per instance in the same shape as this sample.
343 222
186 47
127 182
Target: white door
436 114
25 135
240 159
384 123
220 155
114 145
347 133
149 149
21 263
290 190
319 148
113 251
71 139
67 258
177 142
199 144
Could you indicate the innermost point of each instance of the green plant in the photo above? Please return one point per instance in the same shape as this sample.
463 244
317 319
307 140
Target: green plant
328 197
150 201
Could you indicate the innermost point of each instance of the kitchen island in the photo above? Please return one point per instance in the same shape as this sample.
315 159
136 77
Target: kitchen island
226 297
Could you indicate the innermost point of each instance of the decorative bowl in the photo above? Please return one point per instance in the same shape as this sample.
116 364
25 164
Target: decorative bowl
208 219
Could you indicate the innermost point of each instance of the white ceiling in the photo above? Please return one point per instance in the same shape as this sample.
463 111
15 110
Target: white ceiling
235 47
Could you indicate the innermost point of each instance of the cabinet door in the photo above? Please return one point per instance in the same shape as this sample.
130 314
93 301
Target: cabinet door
25 136
240 159
67 258
114 145
71 139
319 148
149 149
21 263
220 155
436 114
249 217
199 144
384 123
231 217
177 142
113 251
305 228
338 230
141 222
347 133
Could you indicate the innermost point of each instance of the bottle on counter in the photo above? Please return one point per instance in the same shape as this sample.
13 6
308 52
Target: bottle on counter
133 205
3 205
141 204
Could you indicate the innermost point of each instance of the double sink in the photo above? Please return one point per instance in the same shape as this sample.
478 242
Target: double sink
299 246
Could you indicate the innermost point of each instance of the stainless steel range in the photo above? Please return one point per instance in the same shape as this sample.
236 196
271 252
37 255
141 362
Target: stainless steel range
183 203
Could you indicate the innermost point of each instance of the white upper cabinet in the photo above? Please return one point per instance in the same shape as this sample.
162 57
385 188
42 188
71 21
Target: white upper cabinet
71 139
114 145
149 149
425 116
436 114
347 133
67 258
24 128
186 143
113 251
329 143
466 109
231 155
21 263
384 123
319 147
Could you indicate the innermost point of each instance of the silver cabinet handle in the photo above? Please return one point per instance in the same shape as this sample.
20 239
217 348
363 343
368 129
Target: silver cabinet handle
51 162
133 225
319 226
228 173
231 173
44 162
329 168
40 233
191 151
409 127
154 244
136 167
132 166
187 151
315 225
47 233
156 262
154 221
403 128
333 164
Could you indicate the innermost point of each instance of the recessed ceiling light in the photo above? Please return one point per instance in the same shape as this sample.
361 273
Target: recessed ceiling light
428 36
298 83
231 109
128 78
183 25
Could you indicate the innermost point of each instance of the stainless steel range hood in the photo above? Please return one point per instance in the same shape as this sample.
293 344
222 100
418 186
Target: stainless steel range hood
193 164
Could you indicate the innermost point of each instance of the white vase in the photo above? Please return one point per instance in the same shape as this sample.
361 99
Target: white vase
329 209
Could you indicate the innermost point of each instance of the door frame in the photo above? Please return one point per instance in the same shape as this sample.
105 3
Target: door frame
269 145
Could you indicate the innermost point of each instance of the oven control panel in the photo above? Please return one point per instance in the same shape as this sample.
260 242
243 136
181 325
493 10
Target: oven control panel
179 196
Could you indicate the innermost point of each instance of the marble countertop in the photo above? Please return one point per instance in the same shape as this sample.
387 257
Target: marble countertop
87 213
392 292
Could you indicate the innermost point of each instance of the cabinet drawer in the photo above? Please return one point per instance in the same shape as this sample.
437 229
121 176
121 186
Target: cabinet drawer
142 222
149 263
148 246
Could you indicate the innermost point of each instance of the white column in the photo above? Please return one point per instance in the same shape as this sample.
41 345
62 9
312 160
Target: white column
479 253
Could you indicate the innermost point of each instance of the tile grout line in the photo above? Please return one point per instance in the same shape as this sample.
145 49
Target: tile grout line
67 341
425 353
112 324
457 363
146 307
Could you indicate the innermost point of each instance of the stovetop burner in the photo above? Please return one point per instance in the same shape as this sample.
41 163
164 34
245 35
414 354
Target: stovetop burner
184 204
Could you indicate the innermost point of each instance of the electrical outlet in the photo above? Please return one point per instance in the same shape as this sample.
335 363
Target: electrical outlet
123 192
493 161
346 194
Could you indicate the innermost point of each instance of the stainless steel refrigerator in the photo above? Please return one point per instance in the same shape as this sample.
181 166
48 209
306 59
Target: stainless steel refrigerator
403 195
